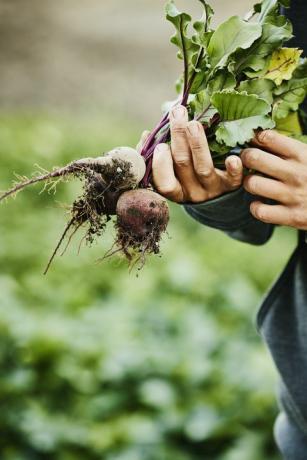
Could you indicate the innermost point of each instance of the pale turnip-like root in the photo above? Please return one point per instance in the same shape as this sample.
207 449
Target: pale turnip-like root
104 180
132 157
142 218
124 167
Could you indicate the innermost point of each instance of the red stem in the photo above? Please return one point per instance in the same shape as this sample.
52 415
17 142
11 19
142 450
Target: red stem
153 140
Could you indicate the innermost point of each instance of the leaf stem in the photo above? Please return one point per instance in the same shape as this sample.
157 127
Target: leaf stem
186 92
185 57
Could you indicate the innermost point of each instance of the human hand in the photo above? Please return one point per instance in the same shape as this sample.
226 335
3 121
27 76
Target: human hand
185 172
285 180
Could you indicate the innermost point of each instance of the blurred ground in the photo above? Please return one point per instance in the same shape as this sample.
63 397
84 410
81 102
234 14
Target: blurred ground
94 55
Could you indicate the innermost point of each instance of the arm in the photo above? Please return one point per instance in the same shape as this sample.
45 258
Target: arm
231 214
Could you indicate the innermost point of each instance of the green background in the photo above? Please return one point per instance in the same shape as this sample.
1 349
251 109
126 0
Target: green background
100 363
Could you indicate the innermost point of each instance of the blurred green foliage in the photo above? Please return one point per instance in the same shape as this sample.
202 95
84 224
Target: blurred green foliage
97 363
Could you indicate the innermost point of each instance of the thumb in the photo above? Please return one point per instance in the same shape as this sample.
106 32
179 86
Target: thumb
234 172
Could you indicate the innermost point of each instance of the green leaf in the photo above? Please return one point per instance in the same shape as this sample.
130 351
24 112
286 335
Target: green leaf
208 14
268 8
282 64
219 148
201 38
300 137
191 48
289 125
259 86
199 75
202 108
201 105
181 22
301 70
241 114
202 27
289 96
230 36
223 79
257 57
241 131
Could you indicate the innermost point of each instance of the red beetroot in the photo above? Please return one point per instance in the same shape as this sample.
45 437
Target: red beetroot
142 217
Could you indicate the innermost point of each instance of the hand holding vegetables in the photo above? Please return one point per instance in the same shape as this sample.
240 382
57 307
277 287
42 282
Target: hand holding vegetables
283 179
236 79
184 171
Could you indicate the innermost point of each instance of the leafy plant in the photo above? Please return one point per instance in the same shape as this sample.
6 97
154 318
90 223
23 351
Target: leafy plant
239 77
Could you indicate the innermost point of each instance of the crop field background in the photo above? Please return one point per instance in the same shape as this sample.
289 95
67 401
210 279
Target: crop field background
98 363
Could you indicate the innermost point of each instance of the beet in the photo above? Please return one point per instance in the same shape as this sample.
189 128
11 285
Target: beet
142 218
109 189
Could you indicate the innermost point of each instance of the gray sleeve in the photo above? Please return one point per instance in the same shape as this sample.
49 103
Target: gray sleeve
230 213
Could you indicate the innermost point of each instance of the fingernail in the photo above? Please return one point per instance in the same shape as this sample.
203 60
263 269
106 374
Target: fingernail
178 112
234 169
193 128
264 136
234 163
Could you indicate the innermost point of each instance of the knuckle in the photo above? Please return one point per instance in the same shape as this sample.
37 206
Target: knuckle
170 192
195 196
179 129
205 173
287 195
300 178
298 197
183 161
166 189
197 146
290 173
250 156
299 219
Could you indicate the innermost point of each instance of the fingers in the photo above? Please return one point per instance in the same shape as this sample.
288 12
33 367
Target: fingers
164 177
266 163
267 188
201 156
233 175
271 214
185 172
180 149
279 144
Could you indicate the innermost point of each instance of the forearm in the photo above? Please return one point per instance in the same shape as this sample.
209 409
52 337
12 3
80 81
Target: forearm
231 214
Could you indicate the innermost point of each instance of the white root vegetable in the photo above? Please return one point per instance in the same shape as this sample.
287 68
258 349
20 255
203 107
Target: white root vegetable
128 175
110 164
129 155
105 179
